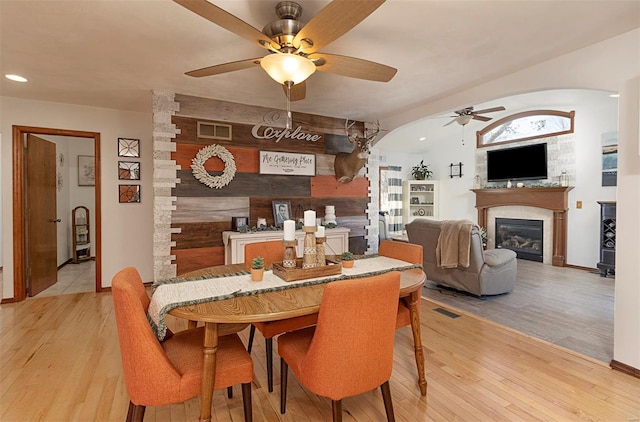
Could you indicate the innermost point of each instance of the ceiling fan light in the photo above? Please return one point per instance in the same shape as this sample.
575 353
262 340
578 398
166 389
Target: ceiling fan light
463 120
285 67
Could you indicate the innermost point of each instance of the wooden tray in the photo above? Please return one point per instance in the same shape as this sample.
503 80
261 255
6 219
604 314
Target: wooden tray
299 273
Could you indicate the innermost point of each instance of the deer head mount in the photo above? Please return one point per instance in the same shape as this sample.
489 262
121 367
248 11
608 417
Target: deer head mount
346 166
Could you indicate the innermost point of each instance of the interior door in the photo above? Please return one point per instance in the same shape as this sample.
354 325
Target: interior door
42 270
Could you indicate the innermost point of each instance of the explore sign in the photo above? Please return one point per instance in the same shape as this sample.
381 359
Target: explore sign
267 131
278 134
286 163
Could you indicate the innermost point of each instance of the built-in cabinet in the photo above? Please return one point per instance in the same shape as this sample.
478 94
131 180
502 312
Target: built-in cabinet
607 264
234 242
81 234
420 200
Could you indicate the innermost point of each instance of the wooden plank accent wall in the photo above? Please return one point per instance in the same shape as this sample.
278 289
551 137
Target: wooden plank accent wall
202 213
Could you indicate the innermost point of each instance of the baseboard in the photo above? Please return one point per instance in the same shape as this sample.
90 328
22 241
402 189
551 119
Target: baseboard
68 261
578 267
7 300
623 367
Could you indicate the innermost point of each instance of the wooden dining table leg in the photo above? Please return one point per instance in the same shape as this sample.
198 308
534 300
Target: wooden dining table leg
417 340
208 370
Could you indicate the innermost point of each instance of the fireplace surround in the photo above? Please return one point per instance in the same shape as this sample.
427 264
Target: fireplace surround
555 199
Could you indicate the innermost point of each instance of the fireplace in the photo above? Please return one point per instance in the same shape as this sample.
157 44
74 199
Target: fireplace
524 237
555 199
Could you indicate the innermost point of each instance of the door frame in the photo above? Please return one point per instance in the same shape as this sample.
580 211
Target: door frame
19 232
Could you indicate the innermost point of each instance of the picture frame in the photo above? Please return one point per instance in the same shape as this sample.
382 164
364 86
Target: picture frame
237 222
129 194
128 147
455 170
128 170
281 212
86 170
415 200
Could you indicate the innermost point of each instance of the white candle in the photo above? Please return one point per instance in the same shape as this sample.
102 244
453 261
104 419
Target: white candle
309 218
289 230
320 232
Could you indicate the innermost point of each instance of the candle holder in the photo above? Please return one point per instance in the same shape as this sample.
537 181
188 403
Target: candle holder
289 258
320 256
309 250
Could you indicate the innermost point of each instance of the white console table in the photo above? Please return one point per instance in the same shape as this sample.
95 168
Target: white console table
337 242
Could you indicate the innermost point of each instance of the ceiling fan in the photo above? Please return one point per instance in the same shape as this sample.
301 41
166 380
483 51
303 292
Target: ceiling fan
465 115
293 45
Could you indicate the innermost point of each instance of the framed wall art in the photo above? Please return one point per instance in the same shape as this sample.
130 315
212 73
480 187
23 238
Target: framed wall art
86 170
128 170
128 194
128 147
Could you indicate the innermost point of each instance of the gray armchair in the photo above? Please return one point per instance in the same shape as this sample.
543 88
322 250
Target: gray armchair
490 272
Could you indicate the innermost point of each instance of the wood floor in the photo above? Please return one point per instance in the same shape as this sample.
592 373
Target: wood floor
570 307
60 361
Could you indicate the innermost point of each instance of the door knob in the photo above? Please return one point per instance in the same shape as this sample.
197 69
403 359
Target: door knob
57 220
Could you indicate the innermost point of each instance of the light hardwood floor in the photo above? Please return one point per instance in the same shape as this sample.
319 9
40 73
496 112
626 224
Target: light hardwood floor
60 361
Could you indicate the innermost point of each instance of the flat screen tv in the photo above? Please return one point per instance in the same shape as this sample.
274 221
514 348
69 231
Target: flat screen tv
528 162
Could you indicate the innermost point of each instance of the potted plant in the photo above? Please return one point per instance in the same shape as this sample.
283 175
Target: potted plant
421 171
347 259
257 268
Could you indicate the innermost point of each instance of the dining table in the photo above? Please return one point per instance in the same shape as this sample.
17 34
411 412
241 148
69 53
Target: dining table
222 316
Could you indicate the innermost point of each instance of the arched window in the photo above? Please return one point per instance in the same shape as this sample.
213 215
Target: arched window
526 125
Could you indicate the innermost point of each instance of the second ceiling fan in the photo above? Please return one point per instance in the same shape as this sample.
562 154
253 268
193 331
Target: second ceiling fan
293 45
465 115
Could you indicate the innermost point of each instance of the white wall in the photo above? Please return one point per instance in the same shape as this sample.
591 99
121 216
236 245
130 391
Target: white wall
127 229
626 336
596 113
611 65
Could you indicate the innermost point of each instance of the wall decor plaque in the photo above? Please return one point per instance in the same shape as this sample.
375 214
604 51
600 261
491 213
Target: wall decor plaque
287 163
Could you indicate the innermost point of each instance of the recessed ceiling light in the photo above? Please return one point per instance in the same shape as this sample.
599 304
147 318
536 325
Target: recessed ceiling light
422 138
16 78
614 95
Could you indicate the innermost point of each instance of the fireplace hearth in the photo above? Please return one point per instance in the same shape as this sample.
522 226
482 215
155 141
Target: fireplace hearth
524 237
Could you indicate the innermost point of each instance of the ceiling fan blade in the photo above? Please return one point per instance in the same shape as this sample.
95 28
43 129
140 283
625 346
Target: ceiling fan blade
481 118
224 68
353 67
447 124
489 110
332 22
231 23
298 91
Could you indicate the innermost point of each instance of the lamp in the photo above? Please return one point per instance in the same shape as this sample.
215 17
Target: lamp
463 120
288 69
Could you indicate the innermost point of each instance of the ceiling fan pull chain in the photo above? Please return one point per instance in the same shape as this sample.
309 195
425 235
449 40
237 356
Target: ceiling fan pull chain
289 119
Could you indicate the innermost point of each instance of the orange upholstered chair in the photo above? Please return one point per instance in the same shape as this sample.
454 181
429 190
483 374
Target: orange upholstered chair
272 251
157 374
405 252
350 350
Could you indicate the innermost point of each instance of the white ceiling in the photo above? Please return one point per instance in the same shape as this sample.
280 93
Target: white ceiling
112 53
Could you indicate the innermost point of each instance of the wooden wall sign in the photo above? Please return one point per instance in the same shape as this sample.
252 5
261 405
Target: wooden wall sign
287 163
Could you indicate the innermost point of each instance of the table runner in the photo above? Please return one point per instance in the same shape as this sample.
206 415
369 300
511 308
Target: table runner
173 293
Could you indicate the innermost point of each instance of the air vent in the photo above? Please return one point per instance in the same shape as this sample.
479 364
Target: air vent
211 130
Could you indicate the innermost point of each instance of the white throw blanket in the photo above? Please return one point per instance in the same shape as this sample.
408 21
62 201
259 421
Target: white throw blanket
171 294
